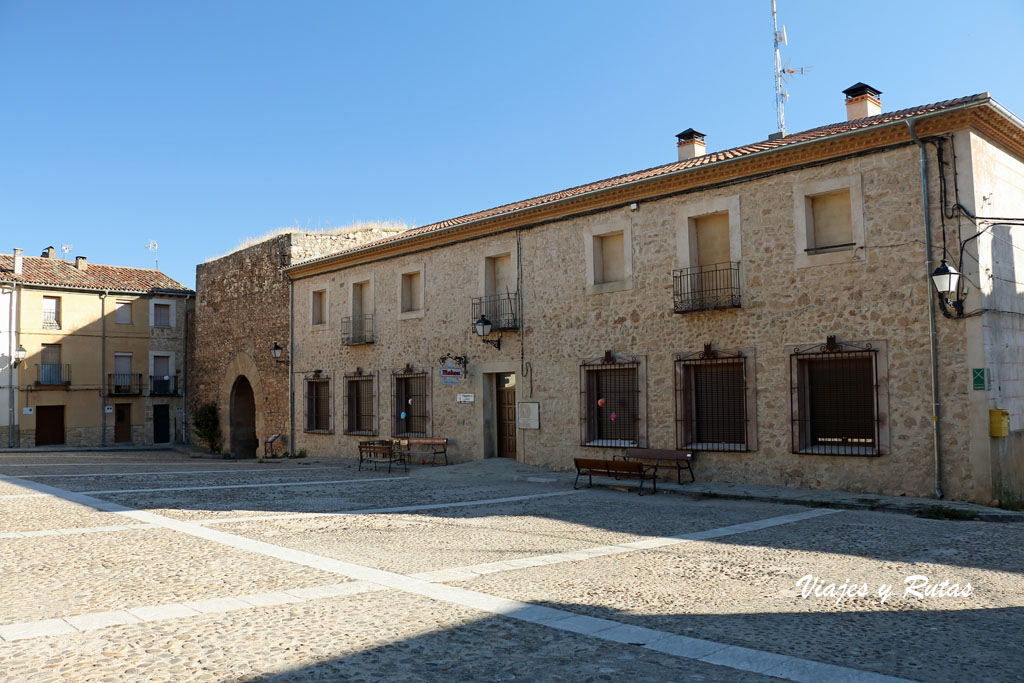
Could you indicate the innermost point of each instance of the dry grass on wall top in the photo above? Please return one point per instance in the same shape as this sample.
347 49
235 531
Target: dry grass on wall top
384 227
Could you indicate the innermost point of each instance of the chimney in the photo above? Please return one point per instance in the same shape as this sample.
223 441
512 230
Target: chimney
81 263
49 252
690 145
862 101
18 260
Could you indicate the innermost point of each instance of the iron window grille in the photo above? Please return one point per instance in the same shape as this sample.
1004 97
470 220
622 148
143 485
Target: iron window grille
609 403
834 389
318 405
711 401
357 329
163 385
53 374
360 404
124 384
702 288
501 309
409 413
51 320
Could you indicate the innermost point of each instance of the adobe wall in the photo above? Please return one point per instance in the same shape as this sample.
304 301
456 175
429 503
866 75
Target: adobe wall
879 293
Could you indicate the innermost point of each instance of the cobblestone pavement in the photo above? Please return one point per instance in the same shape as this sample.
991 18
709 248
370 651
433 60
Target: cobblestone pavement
155 566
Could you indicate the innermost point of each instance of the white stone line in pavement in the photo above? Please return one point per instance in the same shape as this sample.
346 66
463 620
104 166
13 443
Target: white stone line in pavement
271 470
178 610
73 531
475 570
376 511
734 657
248 486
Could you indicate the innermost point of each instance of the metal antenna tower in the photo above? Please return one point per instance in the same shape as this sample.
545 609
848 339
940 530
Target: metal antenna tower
779 37
153 247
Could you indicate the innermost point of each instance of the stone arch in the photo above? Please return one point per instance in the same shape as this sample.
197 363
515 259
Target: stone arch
242 411
241 366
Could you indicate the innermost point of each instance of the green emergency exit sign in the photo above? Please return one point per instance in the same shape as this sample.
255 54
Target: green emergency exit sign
980 377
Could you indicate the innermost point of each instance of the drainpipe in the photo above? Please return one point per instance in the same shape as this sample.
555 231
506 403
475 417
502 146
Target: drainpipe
933 339
291 367
10 369
103 367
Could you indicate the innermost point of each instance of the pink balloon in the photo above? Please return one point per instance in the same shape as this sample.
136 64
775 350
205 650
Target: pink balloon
601 402
612 417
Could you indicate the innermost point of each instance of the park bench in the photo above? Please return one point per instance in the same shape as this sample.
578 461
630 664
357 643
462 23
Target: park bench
379 452
420 447
681 459
616 469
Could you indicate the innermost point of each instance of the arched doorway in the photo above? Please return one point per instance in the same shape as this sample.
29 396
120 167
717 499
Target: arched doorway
243 420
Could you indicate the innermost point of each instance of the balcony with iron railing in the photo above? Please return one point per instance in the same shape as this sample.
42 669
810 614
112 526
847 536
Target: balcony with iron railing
124 384
53 375
163 385
51 321
703 288
501 309
357 329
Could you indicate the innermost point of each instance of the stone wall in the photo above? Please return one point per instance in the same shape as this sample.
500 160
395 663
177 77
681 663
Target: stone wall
875 293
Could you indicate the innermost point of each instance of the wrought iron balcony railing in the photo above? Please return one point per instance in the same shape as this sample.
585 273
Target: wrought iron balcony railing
53 374
357 329
51 321
501 309
163 385
702 288
124 383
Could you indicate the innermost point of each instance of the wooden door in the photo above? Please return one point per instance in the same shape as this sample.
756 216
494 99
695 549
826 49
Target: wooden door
49 425
161 424
505 390
122 422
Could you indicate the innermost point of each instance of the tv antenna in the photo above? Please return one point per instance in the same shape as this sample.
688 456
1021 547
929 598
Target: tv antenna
66 248
153 247
782 72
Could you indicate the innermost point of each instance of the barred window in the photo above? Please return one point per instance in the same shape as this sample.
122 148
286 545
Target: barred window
836 393
610 403
711 401
410 415
360 404
318 405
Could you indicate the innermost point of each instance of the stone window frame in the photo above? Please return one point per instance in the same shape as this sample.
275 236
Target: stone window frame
748 357
120 305
372 379
172 318
609 223
170 362
324 310
615 362
804 226
686 229
507 248
409 372
369 279
419 312
307 385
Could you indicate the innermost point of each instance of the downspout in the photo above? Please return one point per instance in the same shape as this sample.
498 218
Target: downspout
103 367
10 370
184 377
291 360
933 339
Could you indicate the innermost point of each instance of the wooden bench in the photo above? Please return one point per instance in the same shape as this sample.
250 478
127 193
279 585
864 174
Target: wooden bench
682 459
379 452
420 446
615 469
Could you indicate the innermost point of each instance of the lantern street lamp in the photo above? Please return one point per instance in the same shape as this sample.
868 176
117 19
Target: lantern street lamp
275 353
946 279
19 356
483 328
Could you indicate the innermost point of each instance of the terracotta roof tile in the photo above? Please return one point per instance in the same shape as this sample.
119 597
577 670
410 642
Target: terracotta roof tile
656 171
60 273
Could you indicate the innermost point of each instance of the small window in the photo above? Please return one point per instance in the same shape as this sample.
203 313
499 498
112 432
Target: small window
360 404
123 314
410 413
609 258
319 307
610 404
711 401
161 315
318 405
831 221
51 312
836 393
412 292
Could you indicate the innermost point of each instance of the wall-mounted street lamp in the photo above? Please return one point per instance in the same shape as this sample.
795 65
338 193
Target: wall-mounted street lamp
483 328
275 353
946 279
19 356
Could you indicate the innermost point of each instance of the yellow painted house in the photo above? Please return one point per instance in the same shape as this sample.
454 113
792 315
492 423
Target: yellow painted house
94 355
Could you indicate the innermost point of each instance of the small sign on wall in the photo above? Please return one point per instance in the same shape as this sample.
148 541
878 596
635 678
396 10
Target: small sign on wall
108 409
528 415
466 398
451 374
980 376
27 410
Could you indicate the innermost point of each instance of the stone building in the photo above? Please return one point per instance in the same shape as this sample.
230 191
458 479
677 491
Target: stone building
241 312
768 307
93 354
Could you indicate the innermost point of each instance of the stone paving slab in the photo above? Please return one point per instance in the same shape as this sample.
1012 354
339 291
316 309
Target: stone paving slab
45 513
392 636
59 576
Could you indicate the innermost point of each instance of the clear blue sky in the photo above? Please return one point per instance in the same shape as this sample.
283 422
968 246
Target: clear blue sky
198 124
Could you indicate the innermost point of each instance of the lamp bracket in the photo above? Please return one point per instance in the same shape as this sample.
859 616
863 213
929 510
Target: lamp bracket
459 360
